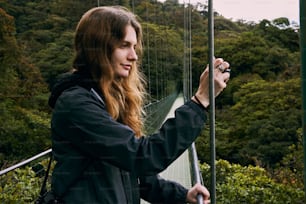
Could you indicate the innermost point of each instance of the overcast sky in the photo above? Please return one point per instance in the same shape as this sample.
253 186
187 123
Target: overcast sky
254 10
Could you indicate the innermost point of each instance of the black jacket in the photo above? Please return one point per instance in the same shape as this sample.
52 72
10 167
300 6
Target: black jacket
99 160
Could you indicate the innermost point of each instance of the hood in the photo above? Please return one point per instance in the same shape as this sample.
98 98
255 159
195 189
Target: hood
67 80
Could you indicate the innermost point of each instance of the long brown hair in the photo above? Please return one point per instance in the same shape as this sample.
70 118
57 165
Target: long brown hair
99 31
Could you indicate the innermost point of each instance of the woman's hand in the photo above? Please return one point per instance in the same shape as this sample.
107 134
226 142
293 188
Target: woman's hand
221 77
194 191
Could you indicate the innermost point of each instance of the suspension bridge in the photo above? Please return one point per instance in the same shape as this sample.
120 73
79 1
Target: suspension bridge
179 170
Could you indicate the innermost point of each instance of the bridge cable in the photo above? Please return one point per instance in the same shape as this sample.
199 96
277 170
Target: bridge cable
148 49
195 170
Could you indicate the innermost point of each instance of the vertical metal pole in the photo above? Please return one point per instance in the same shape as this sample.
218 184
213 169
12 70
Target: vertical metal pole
303 66
190 52
212 101
185 89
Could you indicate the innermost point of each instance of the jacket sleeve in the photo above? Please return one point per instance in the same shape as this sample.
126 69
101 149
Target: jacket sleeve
81 119
168 192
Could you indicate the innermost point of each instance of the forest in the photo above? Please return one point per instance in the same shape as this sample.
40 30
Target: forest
258 116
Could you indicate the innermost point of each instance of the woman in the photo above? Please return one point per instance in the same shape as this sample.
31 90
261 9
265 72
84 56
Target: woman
97 121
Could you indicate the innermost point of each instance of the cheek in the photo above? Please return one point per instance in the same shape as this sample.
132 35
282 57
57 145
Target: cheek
115 56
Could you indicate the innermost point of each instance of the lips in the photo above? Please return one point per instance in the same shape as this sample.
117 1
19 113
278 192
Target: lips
126 66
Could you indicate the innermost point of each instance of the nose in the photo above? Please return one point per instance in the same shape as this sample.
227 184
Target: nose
132 56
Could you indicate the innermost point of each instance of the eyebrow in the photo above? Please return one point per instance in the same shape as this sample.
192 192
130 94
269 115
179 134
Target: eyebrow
129 43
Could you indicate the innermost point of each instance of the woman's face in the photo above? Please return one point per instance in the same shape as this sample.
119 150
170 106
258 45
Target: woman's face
124 55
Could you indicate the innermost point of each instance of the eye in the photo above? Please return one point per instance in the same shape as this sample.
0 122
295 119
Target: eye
124 44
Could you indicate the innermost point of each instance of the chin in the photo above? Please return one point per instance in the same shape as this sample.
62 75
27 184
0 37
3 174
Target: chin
123 75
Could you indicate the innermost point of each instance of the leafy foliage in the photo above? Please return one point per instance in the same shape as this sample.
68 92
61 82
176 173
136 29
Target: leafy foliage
22 93
249 184
260 126
19 182
290 170
23 133
23 185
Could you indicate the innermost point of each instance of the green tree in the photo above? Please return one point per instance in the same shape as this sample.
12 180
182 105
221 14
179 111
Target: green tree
8 54
21 97
289 170
264 120
251 184
251 53
56 58
23 185
279 31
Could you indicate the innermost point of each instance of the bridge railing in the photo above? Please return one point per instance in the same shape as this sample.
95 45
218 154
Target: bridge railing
157 111
25 162
195 170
